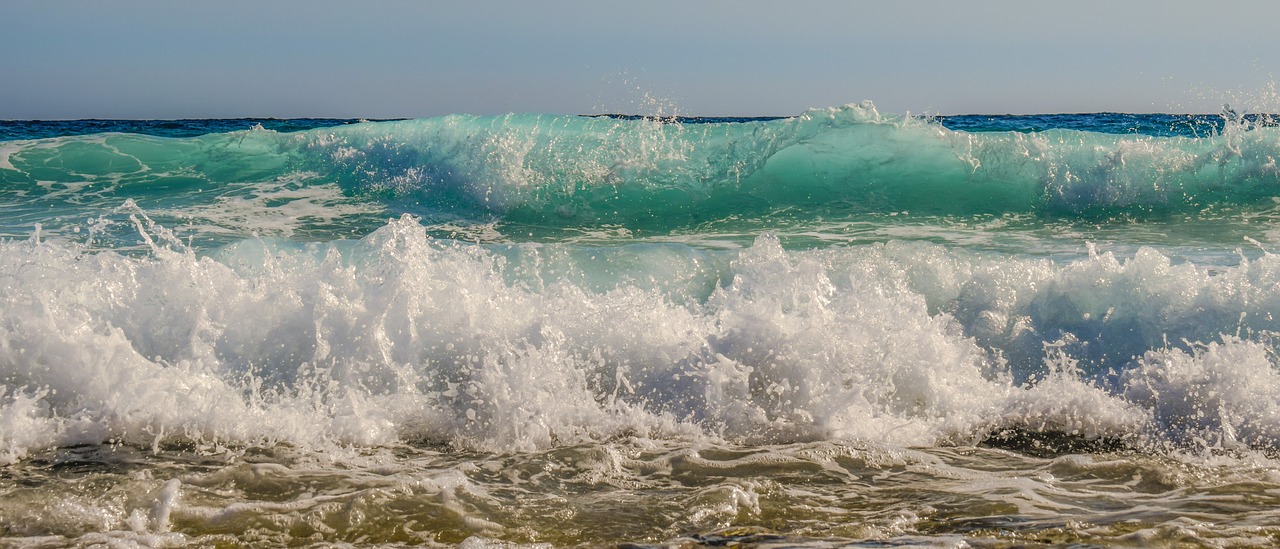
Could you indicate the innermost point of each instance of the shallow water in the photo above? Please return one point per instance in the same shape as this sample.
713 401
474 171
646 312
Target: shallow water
819 494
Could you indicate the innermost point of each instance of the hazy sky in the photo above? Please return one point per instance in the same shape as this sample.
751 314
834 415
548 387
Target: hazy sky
292 58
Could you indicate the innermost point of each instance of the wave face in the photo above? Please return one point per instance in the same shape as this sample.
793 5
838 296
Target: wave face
484 330
558 175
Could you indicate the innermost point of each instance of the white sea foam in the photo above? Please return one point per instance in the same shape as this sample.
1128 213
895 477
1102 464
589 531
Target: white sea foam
7 148
403 338
278 208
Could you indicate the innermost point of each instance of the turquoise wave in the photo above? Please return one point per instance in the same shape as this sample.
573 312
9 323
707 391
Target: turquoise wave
827 161
646 174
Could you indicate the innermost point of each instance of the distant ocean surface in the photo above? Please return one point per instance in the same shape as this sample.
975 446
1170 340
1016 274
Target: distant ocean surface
843 328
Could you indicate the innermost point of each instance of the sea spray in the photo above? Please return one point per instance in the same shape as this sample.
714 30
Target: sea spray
403 337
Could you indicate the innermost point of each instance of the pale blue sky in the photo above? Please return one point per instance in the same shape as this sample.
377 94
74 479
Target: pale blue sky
291 58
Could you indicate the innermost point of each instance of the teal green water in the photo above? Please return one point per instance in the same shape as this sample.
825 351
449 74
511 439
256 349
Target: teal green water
827 175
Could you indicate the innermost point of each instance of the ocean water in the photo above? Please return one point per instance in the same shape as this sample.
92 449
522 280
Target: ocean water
844 328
